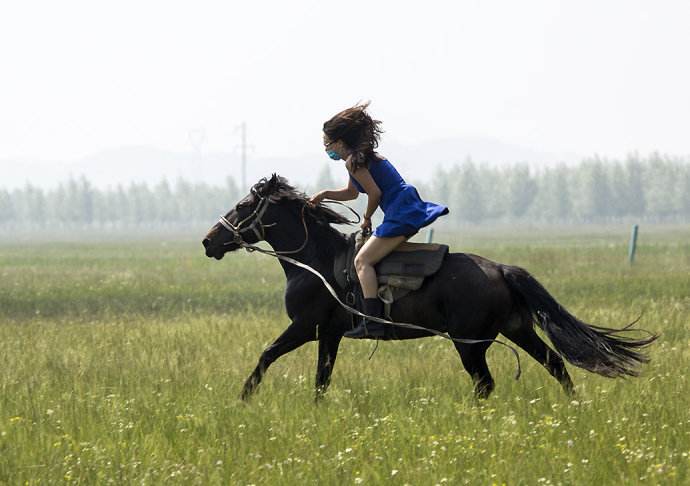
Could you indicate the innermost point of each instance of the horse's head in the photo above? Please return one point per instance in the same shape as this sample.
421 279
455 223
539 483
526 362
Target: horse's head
246 222
269 202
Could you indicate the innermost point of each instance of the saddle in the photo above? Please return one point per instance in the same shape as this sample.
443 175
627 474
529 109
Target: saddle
399 273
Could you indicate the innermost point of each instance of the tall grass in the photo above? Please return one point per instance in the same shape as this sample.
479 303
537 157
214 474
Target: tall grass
123 363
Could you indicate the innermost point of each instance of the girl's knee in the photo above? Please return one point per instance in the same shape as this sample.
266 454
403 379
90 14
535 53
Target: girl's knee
361 262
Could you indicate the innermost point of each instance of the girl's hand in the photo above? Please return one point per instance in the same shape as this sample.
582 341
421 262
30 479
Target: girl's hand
366 225
316 199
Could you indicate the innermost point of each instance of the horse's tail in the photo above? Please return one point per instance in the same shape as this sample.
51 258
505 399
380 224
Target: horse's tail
597 349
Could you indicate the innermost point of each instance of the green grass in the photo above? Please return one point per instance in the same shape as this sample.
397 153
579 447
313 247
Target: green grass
122 362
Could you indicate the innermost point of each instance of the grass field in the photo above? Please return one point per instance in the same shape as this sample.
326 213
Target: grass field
122 363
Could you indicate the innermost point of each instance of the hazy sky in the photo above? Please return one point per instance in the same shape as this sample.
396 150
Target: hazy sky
576 76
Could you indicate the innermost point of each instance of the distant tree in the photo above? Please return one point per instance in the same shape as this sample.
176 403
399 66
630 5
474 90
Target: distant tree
214 203
233 192
635 200
521 190
468 198
659 187
72 203
140 202
29 204
592 202
122 204
37 204
6 207
84 200
166 208
101 206
619 195
325 179
59 206
553 200
441 185
494 189
683 193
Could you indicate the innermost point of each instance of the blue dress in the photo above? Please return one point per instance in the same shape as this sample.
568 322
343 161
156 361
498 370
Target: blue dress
404 211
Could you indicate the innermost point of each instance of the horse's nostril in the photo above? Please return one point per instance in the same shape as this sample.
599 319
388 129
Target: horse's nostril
206 242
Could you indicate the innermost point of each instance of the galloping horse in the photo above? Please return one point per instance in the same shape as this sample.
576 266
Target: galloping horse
469 298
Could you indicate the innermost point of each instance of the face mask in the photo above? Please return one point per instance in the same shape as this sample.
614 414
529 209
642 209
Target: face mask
333 154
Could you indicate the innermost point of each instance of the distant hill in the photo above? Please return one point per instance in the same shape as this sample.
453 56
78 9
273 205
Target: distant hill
147 164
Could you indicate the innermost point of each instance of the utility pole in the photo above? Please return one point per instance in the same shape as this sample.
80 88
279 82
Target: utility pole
243 151
244 155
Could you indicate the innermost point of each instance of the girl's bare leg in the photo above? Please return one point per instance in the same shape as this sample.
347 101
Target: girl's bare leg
369 255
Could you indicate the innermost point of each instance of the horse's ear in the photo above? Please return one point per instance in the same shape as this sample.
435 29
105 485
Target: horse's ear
270 185
273 183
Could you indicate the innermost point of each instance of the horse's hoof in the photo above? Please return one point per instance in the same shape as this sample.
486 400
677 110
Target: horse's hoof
319 396
482 392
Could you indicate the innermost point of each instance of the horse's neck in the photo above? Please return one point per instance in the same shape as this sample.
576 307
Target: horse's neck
321 246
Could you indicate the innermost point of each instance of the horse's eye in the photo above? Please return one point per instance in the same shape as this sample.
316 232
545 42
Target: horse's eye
246 202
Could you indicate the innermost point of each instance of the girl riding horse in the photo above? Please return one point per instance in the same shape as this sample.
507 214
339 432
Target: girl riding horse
353 135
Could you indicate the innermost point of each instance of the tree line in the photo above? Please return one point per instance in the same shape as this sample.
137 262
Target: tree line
653 188
77 202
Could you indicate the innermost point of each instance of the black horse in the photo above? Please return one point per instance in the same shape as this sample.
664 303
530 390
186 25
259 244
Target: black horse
470 297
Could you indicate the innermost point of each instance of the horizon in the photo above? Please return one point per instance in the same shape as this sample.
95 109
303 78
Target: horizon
150 165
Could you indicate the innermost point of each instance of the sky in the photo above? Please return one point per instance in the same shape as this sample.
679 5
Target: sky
606 77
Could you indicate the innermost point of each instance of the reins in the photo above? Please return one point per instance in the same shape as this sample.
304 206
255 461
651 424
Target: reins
281 255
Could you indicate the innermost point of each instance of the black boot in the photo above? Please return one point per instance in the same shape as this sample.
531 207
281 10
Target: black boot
369 329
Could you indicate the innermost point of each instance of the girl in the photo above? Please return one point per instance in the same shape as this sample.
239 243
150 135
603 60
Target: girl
352 135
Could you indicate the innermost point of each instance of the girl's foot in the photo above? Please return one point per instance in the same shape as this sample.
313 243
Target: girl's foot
369 329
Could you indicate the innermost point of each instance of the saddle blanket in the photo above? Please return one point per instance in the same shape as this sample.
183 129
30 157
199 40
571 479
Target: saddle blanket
399 273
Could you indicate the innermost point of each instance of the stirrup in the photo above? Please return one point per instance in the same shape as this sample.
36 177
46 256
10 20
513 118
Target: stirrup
367 330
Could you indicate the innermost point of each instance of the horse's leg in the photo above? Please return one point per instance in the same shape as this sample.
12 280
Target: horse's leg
473 358
292 338
328 350
526 337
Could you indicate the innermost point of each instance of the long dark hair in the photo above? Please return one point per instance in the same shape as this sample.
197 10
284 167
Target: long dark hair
358 130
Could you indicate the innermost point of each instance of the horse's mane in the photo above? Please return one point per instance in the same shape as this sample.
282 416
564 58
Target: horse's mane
277 188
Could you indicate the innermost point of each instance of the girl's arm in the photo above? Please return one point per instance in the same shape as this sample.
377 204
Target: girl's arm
363 176
345 194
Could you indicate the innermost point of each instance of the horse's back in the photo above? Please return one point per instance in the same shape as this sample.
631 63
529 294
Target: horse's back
473 278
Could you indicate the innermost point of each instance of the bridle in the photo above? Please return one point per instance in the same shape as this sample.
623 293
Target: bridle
256 224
